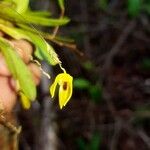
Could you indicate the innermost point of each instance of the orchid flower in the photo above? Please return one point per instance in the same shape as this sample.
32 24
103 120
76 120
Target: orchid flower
64 80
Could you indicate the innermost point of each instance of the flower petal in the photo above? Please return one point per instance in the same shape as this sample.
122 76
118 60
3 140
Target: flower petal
53 86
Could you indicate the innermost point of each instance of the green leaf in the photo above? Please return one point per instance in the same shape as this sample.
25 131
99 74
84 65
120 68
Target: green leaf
95 93
88 65
81 144
12 15
11 31
18 69
103 4
21 6
146 6
43 50
145 64
39 13
5 22
61 4
134 7
81 83
44 21
45 35
95 142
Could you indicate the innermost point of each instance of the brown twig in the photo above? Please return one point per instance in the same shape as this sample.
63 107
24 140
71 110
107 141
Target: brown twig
68 45
144 137
12 128
115 137
71 46
57 27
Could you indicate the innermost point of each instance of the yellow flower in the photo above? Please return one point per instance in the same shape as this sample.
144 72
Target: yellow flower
64 81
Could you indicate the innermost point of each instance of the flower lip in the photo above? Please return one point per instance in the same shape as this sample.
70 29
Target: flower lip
65 85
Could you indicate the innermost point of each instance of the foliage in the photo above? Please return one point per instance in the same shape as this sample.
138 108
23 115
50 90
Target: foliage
145 64
93 144
103 4
17 20
95 91
18 70
81 83
134 7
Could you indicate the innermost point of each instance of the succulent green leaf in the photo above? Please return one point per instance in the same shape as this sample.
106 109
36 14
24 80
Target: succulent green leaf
44 21
43 50
21 6
11 15
39 13
18 69
45 35
12 32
